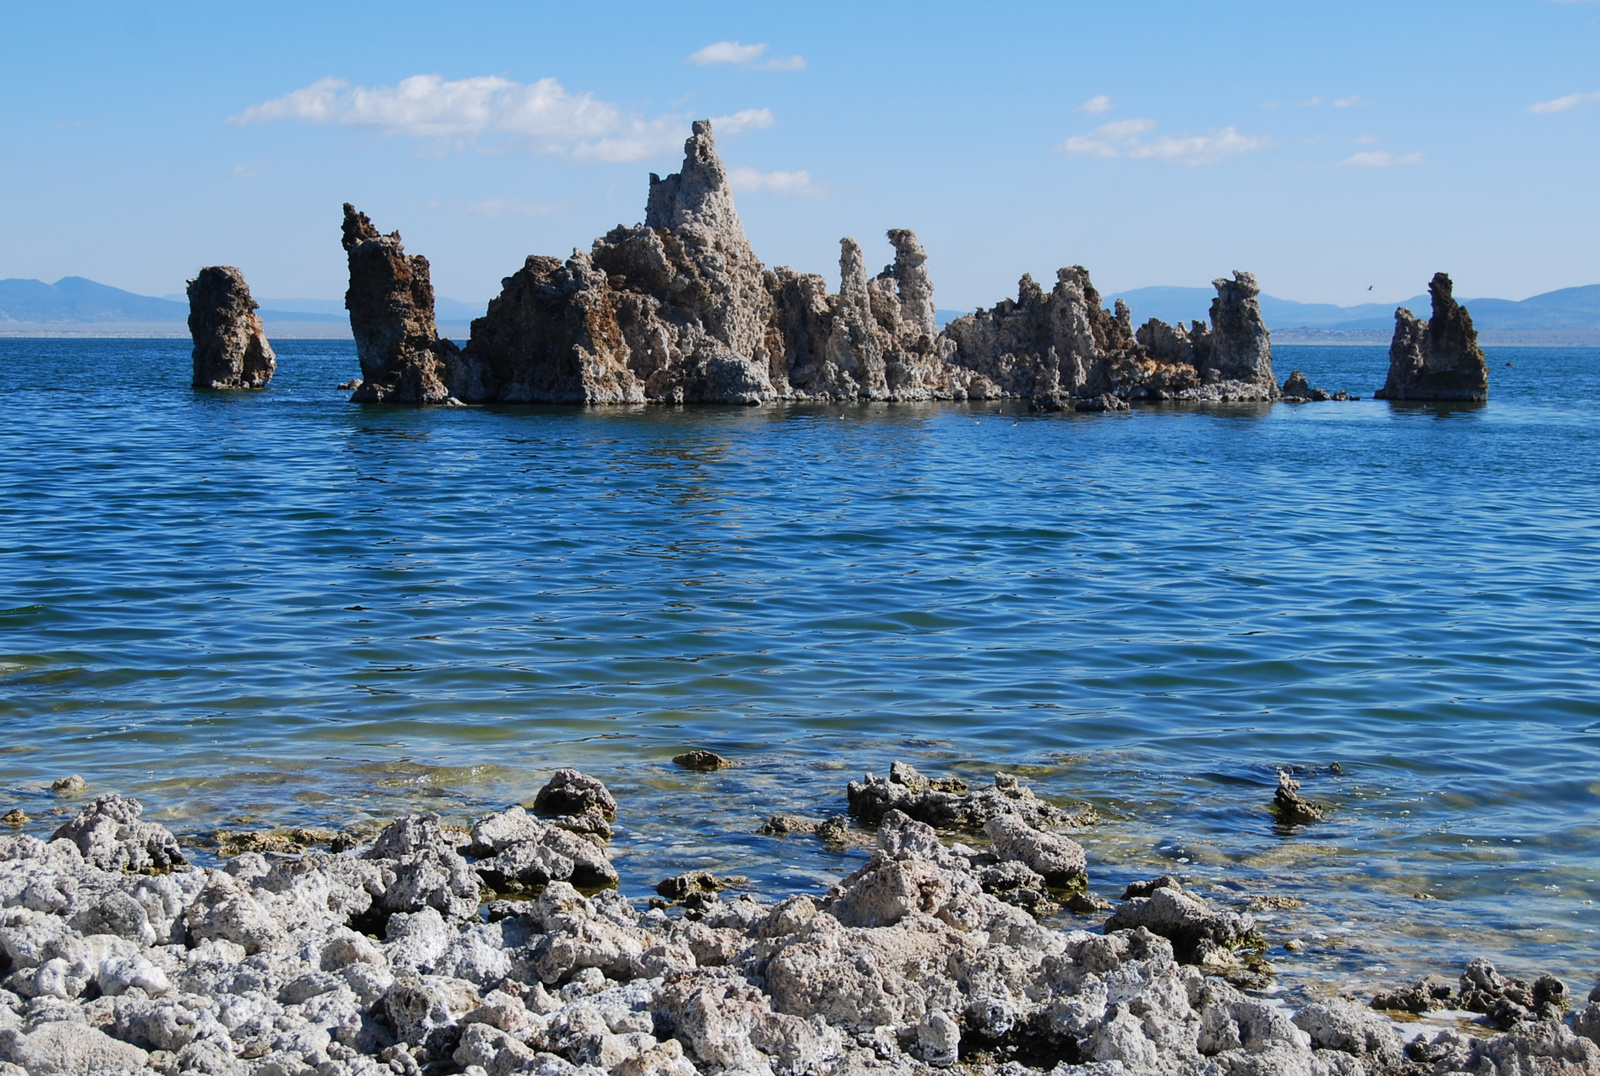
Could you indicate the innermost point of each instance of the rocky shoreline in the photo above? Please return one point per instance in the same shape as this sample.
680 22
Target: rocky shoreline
504 947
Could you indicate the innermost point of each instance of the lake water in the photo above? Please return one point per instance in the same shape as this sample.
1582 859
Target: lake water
282 608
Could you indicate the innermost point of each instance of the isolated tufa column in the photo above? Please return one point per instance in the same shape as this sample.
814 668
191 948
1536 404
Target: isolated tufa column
230 343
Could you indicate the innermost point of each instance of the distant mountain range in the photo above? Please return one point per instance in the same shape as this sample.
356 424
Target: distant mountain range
76 306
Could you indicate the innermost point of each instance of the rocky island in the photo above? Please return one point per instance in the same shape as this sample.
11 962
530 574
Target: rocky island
1437 359
503 948
679 309
230 343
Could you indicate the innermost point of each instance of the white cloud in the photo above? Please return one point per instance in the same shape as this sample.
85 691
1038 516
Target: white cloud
750 119
728 52
1561 104
466 113
788 184
1093 105
1364 140
1380 158
1112 139
1121 138
732 52
251 170
1346 102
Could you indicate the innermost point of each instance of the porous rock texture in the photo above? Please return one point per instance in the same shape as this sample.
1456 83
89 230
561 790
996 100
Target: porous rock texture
230 343
384 960
1437 359
679 309
390 300
1066 344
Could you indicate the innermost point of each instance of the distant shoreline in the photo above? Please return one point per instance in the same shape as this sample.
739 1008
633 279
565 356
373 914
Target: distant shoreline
1548 338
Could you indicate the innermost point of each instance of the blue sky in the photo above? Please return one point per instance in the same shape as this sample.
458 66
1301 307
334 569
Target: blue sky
1326 147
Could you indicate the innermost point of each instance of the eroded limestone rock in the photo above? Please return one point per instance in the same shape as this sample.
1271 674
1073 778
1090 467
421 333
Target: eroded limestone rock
403 360
230 343
907 966
1438 359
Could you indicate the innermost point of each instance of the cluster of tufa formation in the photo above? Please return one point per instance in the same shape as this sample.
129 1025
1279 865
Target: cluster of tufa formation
391 314
403 956
230 343
680 310
1437 359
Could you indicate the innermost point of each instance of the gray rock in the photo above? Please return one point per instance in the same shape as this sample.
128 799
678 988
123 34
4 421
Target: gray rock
1058 859
1183 919
69 1049
111 835
230 343
1438 359
1338 1025
570 792
949 805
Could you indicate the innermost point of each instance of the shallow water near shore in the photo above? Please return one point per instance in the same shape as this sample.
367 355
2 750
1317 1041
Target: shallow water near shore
284 609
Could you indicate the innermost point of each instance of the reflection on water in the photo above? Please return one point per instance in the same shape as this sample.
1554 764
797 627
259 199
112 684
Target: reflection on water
281 609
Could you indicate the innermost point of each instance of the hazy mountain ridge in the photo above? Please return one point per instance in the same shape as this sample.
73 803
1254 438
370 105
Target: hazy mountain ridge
76 302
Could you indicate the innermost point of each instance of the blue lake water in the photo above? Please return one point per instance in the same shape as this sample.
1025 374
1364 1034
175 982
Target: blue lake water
281 608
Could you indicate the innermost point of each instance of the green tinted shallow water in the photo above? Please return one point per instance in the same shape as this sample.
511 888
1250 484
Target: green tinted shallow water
284 607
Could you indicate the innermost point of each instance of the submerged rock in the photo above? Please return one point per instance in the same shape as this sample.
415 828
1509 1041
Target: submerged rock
403 360
1438 359
1292 808
230 343
701 760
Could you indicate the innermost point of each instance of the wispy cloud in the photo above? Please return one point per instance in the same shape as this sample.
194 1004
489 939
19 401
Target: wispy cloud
1380 158
1347 102
1123 138
1561 104
1094 105
789 184
750 119
490 112
738 55
251 170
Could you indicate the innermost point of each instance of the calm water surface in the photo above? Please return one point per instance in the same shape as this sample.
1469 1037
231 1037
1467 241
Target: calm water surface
280 608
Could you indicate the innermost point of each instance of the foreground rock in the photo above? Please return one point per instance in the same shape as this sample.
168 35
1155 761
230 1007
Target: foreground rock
1438 359
390 300
383 960
230 343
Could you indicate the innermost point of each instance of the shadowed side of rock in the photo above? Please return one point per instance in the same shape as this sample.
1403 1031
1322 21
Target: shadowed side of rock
1438 359
230 343
390 300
